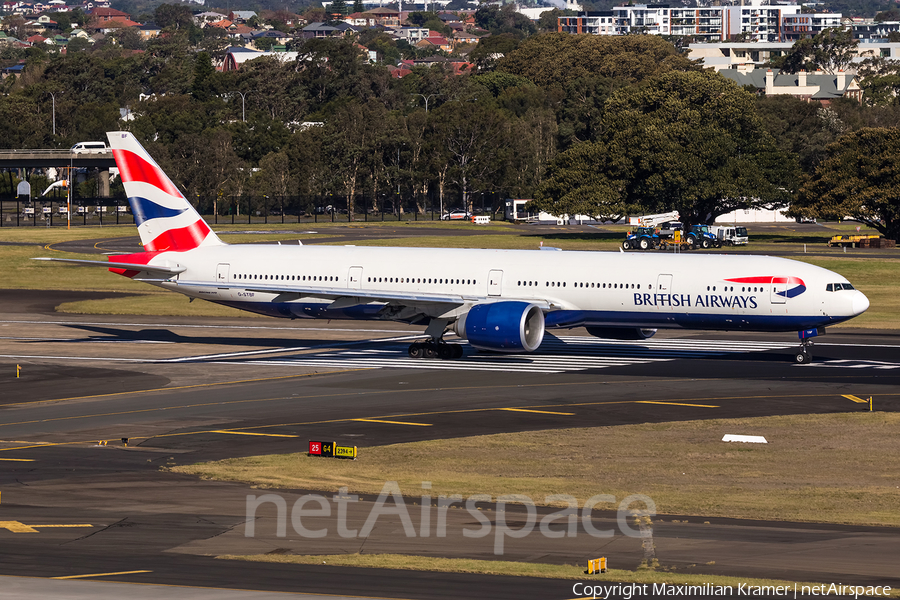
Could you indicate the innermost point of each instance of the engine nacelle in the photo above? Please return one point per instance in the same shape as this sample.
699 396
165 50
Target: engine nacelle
621 333
503 326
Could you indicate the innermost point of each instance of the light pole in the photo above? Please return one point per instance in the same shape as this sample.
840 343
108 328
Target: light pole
427 99
53 96
243 105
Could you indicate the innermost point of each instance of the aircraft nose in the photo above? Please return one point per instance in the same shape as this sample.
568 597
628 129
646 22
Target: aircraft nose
860 303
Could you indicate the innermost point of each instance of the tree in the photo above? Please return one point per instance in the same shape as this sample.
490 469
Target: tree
831 51
554 59
473 134
490 47
338 8
204 74
859 178
691 142
176 16
79 44
358 6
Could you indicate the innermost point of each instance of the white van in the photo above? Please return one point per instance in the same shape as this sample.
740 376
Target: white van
90 148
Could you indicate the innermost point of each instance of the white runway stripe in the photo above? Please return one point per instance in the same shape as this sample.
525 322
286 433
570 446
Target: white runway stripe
556 355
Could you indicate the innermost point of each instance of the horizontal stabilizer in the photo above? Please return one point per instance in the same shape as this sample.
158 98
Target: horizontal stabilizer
119 265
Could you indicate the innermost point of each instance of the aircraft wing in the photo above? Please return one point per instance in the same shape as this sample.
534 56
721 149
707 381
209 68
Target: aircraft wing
345 297
155 269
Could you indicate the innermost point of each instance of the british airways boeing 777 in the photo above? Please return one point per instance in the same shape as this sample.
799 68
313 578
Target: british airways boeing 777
499 300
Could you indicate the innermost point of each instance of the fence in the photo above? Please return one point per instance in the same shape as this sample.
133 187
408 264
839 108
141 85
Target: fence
218 210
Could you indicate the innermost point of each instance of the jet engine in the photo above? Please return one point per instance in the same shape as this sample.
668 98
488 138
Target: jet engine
621 333
503 326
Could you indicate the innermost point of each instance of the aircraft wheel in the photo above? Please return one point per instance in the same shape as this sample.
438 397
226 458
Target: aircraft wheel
802 357
446 352
457 351
416 350
644 243
626 245
430 350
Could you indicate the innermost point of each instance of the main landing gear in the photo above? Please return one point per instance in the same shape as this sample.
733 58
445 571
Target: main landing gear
432 349
804 354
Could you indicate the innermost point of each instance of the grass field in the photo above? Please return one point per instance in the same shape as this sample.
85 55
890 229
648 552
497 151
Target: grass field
876 278
497 567
837 468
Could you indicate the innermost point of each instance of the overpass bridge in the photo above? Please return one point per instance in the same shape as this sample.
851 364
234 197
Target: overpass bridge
29 159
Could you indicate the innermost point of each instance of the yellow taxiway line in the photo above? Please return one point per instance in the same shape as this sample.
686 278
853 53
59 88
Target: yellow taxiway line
391 422
101 574
543 412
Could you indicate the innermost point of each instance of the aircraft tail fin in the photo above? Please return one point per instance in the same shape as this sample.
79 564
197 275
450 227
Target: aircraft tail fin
166 220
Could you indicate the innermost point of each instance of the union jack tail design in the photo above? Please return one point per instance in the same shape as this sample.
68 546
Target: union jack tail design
165 219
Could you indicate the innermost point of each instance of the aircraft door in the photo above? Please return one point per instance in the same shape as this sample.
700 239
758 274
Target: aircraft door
354 279
495 283
222 272
664 289
779 290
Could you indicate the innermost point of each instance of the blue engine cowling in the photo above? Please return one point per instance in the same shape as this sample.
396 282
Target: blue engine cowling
621 333
503 326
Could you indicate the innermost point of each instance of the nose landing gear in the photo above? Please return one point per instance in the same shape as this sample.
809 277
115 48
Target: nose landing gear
804 355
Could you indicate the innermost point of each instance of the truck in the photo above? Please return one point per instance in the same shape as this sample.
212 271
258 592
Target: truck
730 235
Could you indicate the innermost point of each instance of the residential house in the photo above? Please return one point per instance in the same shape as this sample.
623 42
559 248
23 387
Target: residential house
235 57
435 40
241 16
319 30
410 34
208 17
817 85
148 30
386 17
104 15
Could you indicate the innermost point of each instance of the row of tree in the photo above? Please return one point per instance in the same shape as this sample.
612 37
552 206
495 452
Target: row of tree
593 125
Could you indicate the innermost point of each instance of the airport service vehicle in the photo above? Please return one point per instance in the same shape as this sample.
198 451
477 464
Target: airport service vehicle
730 235
701 237
667 230
653 220
498 300
645 238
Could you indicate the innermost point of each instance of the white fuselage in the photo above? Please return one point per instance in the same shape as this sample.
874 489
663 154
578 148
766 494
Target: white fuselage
614 289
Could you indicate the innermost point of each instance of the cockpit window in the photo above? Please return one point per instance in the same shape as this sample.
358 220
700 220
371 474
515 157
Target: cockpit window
837 287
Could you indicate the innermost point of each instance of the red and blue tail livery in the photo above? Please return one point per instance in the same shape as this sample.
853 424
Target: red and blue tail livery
166 220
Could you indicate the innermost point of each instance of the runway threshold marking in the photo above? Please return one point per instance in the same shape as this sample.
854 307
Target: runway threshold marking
102 574
854 398
675 403
543 412
19 527
391 422
251 433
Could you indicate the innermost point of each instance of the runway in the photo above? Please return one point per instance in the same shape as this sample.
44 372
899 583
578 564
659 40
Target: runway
188 390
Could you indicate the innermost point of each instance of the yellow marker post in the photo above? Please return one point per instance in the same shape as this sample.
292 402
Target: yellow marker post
870 403
18 370
597 565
